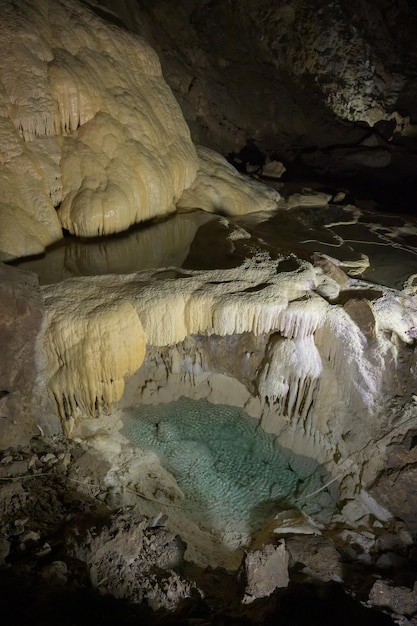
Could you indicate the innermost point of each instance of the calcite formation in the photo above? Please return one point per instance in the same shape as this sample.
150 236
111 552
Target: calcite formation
320 366
218 188
92 139
88 127
90 345
88 318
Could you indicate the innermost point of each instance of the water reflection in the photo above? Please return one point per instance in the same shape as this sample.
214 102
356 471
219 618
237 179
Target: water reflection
163 244
382 248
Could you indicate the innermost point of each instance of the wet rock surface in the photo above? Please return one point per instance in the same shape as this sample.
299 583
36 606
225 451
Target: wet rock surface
64 549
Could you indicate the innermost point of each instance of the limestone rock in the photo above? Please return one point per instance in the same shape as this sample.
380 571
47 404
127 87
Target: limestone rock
400 600
295 522
273 169
289 522
330 268
90 346
146 556
395 486
316 556
265 570
290 360
361 312
309 198
21 318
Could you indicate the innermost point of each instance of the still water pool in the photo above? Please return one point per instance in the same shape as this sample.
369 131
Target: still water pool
231 472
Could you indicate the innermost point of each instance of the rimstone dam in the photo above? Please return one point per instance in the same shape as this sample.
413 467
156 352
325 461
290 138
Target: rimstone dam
208 311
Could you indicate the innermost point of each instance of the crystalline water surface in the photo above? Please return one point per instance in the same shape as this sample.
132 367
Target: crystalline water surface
233 474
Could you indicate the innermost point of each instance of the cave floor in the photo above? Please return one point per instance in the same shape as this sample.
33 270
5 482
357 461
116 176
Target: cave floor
51 511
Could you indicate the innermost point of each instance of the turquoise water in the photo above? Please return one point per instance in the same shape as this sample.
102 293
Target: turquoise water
231 472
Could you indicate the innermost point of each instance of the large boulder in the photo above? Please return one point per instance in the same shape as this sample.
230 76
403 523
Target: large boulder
21 318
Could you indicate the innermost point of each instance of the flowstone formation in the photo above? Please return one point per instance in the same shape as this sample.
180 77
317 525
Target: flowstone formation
268 388
311 356
100 144
218 188
100 137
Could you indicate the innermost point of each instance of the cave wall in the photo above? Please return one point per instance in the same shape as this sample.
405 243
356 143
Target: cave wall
25 407
329 88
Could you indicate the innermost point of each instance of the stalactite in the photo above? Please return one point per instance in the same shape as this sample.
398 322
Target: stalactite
342 344
92 341
307 333
288 377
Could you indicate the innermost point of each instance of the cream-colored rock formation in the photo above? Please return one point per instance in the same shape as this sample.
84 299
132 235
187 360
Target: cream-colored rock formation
313 366
92 139
87 329
93 339
88 126
219 188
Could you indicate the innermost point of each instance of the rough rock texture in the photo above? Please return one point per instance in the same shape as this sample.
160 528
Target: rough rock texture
128 559
316 557
400 600
265 570
395 486
65 549
329 85
22 313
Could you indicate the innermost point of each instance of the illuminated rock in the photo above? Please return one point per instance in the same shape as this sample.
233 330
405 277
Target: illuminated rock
315 348
265 570
88 125
93 339
219 188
